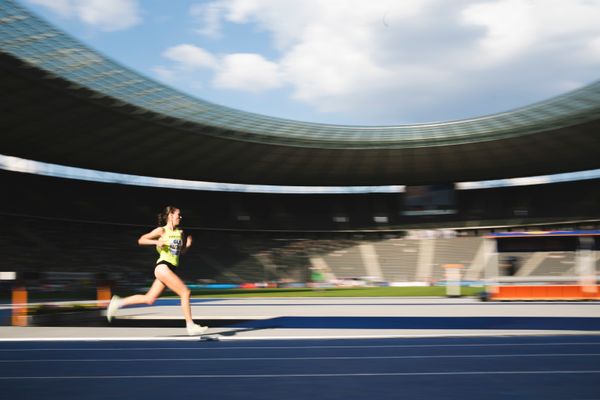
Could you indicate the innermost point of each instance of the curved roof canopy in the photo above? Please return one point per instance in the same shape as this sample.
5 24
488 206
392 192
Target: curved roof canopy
62 102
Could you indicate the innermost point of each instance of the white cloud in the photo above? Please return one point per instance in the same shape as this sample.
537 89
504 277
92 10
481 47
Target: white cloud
592 51
105 15
414 60
190 57
187 60
248 72
240 71
509 28
209 16
109 15
164 73
515 27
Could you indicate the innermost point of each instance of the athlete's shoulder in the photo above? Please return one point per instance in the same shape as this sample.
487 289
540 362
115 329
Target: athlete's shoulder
159 230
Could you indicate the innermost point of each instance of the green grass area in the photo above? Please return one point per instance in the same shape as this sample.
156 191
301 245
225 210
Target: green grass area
335 292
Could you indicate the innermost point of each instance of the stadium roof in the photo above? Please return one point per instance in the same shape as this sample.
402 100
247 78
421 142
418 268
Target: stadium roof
64 103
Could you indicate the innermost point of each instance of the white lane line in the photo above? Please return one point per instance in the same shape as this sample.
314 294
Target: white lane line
442 335
359 374
226 348
104 339
232 338
300 358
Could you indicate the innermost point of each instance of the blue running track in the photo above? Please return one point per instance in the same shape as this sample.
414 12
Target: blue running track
540 367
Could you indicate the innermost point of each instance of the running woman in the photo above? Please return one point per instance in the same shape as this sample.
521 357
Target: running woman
169 242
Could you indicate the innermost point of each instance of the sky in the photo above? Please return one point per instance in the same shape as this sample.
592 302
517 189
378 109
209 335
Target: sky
351 62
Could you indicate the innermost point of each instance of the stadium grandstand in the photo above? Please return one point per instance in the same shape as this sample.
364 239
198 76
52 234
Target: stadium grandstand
65 104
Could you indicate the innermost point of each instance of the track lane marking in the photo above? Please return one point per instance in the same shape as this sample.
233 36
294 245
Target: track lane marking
305 347
302 358
270 376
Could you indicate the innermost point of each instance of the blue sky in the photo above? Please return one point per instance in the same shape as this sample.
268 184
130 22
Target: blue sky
376 62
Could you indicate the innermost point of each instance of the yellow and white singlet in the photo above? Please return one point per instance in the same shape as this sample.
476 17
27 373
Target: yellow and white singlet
172 248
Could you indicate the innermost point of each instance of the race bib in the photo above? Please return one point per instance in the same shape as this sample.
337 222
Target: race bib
175 246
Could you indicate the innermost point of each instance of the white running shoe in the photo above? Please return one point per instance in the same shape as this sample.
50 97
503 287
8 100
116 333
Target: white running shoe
195 329
113 306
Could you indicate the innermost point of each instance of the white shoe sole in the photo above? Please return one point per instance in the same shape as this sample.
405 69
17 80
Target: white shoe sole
112 308
196 330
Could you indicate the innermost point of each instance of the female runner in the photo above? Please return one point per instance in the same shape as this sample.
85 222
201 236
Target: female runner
168 240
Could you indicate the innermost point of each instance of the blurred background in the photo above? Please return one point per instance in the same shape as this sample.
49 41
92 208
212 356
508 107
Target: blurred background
92 151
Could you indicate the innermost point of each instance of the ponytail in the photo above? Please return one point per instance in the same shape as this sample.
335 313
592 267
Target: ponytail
164 215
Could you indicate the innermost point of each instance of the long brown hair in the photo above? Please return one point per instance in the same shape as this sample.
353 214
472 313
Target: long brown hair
164 215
